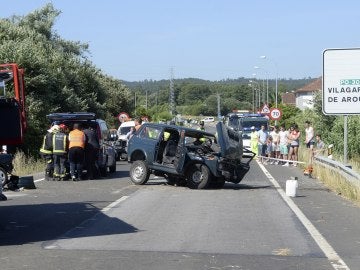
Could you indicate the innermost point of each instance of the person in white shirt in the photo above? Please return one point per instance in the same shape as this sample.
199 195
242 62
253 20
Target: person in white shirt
309 135
283 144
309 140
275 144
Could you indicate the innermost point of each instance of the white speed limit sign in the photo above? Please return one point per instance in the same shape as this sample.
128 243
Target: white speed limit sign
275 114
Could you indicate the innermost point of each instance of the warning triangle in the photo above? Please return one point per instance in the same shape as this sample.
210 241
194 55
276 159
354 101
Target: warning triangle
265 109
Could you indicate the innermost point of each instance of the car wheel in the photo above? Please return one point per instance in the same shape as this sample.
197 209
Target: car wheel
3 176
198 176
139 172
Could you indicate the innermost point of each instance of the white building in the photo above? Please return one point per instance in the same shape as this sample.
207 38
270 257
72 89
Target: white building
304 96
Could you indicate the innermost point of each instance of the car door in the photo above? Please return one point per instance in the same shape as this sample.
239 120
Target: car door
181 152
150 139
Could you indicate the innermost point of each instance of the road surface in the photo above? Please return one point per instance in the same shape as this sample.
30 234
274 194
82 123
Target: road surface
112 224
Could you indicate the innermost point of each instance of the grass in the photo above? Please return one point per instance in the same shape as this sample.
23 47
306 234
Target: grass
24 165
333 180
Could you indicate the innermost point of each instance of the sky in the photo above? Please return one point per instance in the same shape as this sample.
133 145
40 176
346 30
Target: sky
134 40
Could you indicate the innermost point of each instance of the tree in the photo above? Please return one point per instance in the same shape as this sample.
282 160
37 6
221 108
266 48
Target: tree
58 75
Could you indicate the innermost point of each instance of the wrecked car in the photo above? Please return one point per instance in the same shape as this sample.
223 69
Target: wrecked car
186 156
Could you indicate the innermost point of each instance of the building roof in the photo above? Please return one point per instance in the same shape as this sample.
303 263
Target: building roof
288 98
315 85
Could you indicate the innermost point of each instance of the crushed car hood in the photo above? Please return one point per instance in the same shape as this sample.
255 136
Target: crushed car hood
229 141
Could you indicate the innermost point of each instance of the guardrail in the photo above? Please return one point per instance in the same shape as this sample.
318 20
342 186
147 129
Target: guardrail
340 168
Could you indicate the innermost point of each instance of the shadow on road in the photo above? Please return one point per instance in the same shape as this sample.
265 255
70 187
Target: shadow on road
22 224
245 186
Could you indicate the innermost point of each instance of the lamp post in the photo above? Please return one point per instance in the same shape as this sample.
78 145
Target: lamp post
254 84
276 81
267 83
253 95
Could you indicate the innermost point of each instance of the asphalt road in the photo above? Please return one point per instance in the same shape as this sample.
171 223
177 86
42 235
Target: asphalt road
112 224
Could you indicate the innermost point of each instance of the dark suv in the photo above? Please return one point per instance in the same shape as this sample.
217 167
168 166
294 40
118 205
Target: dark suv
187 156
107 154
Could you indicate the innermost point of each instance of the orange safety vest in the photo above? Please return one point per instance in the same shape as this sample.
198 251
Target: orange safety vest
76 138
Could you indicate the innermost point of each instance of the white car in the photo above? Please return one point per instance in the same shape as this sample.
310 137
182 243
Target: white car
208 119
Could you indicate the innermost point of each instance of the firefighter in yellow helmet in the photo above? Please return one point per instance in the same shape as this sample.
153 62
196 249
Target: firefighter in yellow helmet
60 144
46 151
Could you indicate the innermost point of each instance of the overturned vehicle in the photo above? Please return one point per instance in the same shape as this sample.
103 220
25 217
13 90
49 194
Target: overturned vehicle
187 156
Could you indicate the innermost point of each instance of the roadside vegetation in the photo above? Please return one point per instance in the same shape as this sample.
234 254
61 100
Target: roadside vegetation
27 165
331 179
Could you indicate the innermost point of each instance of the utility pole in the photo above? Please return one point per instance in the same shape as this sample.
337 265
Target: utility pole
146 101
172 94
218 106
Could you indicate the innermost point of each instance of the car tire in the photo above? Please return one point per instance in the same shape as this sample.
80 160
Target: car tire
198 176
3 177
139 172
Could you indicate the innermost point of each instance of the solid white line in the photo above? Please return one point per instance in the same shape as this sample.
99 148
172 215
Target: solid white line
335 260
42 179
114 204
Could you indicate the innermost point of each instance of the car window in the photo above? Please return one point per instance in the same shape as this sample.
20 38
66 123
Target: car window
150 133
124 130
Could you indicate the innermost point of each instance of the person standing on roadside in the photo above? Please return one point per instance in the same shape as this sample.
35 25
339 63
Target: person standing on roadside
60 147
275 144
309 140
309 135
91 153
283 144
254 141
77 141
294 137
262 140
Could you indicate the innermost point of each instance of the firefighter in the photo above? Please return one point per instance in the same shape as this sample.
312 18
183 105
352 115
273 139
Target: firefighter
46 151
76 152
60 147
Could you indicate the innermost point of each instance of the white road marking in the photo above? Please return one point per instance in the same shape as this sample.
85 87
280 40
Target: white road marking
335 260
42 179
114 204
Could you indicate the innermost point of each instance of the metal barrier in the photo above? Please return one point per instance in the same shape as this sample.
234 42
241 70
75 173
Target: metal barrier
340 168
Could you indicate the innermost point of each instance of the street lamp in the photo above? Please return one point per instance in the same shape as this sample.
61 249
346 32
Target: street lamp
253 95
254 84
276 81
267 83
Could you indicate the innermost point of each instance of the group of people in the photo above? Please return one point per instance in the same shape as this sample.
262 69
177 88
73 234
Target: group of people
66 151
280 146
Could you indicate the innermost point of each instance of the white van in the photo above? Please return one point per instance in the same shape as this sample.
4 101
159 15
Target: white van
208 119
124 128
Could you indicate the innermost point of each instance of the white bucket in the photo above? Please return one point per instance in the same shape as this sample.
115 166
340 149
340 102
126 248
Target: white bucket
291 186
